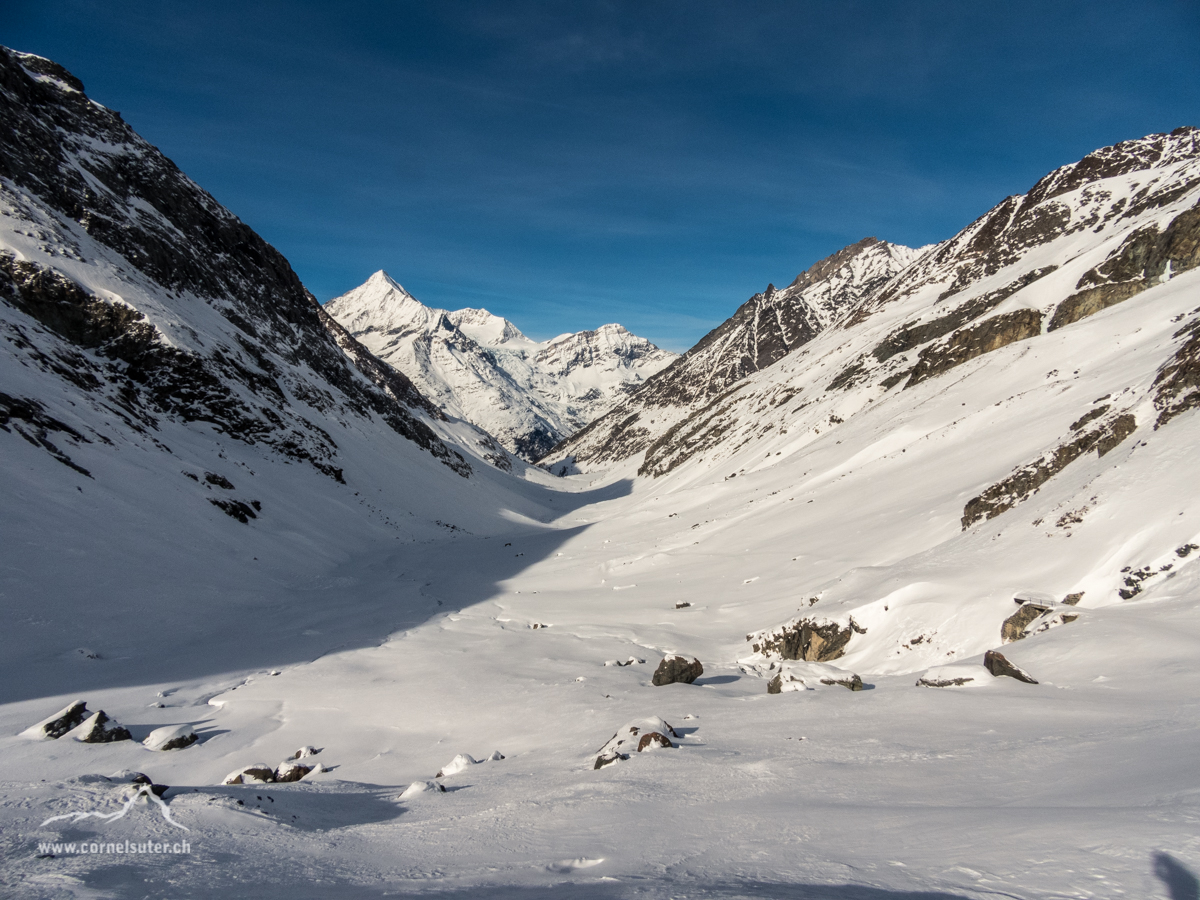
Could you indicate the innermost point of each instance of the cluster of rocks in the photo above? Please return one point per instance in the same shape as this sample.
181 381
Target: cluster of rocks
637 736
287 771
77 722
803 677
809 639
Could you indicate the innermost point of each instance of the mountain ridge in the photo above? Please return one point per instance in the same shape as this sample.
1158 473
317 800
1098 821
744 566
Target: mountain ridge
480 367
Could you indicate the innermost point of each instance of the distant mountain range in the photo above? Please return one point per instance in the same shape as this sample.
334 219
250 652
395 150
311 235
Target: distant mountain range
481 368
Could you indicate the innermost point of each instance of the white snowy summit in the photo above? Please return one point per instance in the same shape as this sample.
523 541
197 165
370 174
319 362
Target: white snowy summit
480 367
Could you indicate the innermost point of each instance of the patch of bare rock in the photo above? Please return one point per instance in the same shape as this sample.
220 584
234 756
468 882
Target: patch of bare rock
677 670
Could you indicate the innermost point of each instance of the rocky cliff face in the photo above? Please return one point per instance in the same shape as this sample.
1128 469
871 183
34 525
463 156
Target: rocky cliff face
762 331
481 368
142 300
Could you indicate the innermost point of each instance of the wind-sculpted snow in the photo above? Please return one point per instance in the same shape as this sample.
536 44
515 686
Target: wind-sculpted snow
481 368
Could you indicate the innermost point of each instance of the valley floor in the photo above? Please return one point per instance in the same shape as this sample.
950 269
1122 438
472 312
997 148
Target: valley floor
1084 785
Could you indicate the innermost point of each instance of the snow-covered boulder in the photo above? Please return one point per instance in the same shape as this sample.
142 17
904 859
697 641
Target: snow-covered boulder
805 676
636 736
996 663
422 787
99 728
171 737
55 726
259 773
290 770
304 752
458 764
677 669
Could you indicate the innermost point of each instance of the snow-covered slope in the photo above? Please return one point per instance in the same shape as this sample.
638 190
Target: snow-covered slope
481 368
763 330
411 617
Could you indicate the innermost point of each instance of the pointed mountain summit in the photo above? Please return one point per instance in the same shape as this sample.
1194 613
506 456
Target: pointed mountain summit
479 367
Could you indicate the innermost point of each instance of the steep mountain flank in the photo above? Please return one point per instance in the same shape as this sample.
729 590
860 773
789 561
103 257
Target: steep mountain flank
148 300
480 367
1086 237
763 330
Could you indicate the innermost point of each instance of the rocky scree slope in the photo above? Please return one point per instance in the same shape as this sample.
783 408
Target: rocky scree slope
763 330
481 368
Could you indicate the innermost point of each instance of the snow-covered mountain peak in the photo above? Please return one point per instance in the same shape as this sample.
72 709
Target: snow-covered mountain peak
480 367
488 329
381 305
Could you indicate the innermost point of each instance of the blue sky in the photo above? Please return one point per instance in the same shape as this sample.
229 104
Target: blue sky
567 164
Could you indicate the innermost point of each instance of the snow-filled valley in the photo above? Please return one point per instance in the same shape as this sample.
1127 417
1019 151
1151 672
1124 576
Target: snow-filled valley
311 565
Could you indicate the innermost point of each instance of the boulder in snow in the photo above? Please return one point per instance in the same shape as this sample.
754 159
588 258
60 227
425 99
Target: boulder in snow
67 718
675 669
1014 626
259 773
996 663
495 757
305 752
422 787
99 728
811 639
456 765
171 737
804 676
948 676
290 770
635 736
652 740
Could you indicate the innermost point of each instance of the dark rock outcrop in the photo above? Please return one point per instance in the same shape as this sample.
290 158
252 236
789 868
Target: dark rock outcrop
996 663
1146 258
1026 479
1177 384
73 166
677 669
1013 628
976 340
99 728
814 640
66 719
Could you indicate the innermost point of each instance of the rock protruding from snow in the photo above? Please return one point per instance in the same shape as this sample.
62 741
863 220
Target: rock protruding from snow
635 737
258 773
290 770
305 752
810 639
55 726
677 669
171 737
948 676
996 663
805 676
100 728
